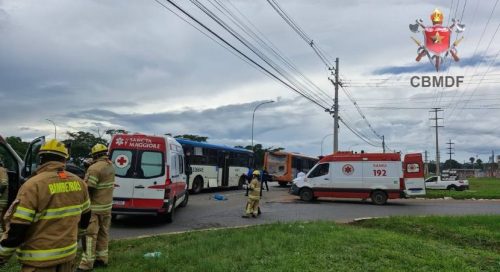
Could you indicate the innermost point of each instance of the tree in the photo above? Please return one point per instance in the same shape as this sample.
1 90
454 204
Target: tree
18 145
259 153
471 159
453 164
80 144
112 132
193 137
479 163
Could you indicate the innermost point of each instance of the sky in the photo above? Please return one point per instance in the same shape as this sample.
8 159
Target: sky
95 65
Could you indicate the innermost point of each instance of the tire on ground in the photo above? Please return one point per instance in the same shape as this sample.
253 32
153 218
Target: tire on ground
169 216
185 200
379 197
451 187
197 185
306 194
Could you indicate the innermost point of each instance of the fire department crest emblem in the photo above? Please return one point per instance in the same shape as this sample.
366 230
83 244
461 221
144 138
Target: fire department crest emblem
437 44
348 169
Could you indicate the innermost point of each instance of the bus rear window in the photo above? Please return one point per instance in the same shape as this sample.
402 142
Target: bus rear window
276 165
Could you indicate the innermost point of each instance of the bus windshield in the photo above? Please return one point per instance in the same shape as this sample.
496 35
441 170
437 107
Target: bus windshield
276 164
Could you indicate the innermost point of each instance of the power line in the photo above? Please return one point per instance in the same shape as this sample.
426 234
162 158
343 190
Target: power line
238 51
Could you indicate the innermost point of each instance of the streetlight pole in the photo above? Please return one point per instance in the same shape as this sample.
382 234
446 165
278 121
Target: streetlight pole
55 128
253 115
323 141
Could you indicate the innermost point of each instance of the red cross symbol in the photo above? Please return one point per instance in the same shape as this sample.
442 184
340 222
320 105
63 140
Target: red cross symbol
122 161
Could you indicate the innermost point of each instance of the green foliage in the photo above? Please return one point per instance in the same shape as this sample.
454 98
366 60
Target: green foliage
112 132
393 244
486 188
259 153
80 144
453 164
193 137
18 145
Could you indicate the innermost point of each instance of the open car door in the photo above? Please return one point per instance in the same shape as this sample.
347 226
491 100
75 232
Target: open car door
31 159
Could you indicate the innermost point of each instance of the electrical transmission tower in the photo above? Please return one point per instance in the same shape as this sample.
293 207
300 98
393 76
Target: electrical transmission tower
437 126
450 150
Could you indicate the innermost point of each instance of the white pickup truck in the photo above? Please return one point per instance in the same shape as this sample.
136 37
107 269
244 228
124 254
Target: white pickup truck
451 183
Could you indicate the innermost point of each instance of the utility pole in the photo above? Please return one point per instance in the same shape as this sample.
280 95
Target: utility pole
437 126
336 109
426 164
383 143
450 149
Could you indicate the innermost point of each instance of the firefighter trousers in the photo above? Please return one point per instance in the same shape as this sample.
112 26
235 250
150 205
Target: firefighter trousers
3 210
96 241
252 206
64 267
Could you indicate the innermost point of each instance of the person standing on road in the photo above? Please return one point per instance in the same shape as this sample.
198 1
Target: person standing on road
50 211
252 207
100 179
4 193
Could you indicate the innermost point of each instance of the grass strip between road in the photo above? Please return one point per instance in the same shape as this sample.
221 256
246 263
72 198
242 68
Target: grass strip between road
480 188
466 243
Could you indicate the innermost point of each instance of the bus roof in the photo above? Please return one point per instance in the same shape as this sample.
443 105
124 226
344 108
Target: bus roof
278 153
349 156
183 141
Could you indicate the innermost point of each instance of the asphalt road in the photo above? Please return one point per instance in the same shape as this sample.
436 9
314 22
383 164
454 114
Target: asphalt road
277 205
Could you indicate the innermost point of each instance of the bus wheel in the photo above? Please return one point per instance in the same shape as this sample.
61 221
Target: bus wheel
169 217
306 194
185 200
379 197
282 184
197 185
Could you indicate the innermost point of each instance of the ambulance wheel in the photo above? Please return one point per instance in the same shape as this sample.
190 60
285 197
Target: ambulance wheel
169 217
282 184
197 185
379 197
185 200
306 194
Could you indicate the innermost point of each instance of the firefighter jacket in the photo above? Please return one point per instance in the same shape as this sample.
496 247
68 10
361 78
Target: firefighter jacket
254 189
50 204
101 178
4 187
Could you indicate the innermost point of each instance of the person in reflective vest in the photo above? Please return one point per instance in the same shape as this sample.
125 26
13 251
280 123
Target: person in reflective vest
252 208
49 212
100 179
4 193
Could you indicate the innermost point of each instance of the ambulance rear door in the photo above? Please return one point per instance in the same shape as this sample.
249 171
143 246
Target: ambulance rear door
413 174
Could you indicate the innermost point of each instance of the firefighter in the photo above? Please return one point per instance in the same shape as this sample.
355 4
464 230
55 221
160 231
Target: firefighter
252 207
4 193
49 212
100 179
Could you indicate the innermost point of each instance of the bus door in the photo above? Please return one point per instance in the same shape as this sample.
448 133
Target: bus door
223 165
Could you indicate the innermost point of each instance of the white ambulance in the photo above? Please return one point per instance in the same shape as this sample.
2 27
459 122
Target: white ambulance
150 175
379 176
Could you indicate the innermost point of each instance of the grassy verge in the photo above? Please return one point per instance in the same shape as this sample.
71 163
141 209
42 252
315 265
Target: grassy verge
393 244
486 188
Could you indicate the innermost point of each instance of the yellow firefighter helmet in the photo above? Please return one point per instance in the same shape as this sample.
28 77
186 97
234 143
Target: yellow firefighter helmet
54 147
256 173
98 148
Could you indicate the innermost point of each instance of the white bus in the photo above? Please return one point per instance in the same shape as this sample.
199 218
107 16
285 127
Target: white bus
215 166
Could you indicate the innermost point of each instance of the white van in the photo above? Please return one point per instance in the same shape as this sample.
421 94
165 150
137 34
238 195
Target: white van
379 176
150 175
